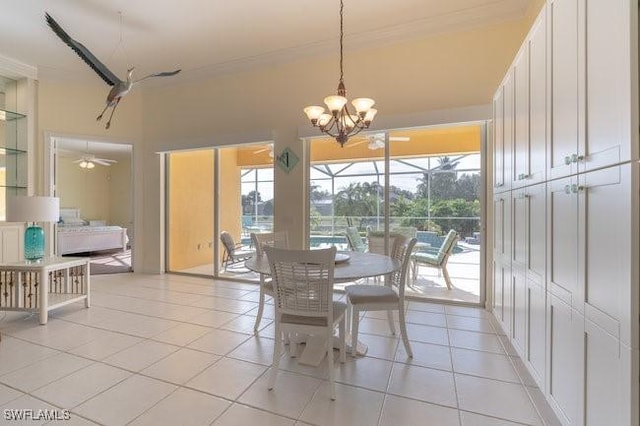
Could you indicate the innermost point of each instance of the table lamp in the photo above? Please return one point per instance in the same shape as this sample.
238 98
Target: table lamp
33 209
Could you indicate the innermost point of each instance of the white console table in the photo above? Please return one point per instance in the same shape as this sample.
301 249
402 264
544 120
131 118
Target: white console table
43 286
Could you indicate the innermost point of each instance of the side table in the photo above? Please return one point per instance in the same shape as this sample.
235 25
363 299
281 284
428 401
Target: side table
45 285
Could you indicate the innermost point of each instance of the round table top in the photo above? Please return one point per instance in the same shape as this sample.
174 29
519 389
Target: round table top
359 265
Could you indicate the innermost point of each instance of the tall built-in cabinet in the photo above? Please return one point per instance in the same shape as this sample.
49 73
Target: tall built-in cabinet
17 110
566 209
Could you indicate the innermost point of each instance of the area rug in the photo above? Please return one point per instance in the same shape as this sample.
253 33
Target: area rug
115 262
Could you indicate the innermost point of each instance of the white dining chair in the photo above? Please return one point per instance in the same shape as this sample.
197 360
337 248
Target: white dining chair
260 241
388 297
303 288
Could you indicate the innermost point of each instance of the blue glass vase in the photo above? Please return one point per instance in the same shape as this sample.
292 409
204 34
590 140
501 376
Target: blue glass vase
33 243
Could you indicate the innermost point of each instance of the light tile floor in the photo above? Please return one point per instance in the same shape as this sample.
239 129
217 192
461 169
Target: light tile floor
169 349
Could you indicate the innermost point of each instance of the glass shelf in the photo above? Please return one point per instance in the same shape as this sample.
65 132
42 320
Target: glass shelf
10 115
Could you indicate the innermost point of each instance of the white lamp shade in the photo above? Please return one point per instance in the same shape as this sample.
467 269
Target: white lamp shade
363 104
32 209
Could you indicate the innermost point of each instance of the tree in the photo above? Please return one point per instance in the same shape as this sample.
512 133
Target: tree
316 194
468 187
446 212
249 202
358 199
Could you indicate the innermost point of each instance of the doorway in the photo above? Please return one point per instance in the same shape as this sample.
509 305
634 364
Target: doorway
94 181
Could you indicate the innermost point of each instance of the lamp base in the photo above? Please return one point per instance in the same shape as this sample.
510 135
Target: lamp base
33 243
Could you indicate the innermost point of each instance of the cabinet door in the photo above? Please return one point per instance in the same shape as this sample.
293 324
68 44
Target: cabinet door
563 147
538 95
519 298
566 384
606 260
502 227
508 125
562 242
521 170
12 240
607 39
536 199
519 209
498 290
498 140
536 331
607 391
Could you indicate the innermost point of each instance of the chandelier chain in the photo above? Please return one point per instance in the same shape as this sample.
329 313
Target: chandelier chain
341 37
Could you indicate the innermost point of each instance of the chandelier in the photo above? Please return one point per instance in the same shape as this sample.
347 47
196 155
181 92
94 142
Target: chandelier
340 123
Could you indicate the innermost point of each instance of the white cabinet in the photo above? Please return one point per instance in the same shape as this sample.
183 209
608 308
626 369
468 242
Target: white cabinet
566 206
11 243
563 147
605 75
566 354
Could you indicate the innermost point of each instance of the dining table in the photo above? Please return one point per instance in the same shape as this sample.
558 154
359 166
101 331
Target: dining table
350 266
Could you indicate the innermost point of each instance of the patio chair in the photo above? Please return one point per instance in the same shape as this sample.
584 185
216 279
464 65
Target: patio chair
389 297
354 239
260 241
438 260
303 288
233 253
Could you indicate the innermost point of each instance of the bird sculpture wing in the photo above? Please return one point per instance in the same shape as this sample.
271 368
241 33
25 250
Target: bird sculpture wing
86 55
159 74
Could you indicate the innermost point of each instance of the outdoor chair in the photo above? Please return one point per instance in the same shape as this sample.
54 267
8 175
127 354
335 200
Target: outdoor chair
388 297
355 240
438 260
233 253
260 241
303 288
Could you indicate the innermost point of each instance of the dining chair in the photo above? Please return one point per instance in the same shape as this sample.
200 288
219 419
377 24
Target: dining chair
260 241
438 260
354 239
303 288
233 253
375 242
388 297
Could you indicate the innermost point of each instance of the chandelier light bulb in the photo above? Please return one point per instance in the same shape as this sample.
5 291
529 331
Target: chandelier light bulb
314 112
362 105
335 103
83 164
369 116
324 119
90 165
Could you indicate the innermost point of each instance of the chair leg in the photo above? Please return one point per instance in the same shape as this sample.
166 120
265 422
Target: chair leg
275 363
446 276
355 319
332 386
260 305
403 330
392 325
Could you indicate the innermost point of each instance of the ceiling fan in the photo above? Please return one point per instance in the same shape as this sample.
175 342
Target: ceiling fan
89 161
268 148
376 140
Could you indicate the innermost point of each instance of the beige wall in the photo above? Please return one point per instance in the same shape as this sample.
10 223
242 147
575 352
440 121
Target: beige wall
101 193
408 80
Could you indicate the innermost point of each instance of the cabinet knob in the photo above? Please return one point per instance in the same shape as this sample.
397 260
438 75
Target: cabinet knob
576 157
567 160
567 189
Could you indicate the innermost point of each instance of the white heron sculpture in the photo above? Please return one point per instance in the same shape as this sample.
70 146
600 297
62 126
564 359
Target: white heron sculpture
119 88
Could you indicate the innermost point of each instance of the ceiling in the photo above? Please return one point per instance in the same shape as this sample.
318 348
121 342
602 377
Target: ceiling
74 148
211 37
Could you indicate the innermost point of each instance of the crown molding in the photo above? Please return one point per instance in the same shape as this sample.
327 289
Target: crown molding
15 69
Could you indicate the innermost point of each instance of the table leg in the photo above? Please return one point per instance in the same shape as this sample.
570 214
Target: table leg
44 299
87 288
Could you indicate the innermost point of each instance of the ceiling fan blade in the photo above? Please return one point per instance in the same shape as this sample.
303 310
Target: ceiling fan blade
107 160
262 150
399 138
79 160
101 162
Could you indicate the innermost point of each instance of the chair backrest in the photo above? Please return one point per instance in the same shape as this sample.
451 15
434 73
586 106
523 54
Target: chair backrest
375 241
354 239
447 245
407 231
274 239
227 242
401 251
302 281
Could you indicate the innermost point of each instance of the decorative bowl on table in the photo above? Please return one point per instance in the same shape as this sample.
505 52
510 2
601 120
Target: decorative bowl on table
342 257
